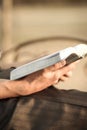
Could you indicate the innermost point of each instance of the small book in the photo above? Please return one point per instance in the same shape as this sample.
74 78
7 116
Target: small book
70 54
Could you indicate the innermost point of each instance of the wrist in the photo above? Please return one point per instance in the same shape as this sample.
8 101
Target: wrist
14 87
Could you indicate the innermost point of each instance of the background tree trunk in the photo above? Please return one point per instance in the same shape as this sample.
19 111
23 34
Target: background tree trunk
7 29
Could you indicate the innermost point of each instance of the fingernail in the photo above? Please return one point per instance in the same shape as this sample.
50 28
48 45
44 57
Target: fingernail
63 63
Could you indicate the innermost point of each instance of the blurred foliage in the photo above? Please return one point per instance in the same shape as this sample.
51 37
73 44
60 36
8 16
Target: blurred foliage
50 1
24 2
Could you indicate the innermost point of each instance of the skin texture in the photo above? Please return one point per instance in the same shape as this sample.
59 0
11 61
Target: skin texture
37 81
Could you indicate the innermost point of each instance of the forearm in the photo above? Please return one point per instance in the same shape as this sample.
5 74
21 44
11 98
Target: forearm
9 89
17 88
34 82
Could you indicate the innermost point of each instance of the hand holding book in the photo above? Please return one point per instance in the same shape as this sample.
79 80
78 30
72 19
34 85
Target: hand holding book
41 73
69 54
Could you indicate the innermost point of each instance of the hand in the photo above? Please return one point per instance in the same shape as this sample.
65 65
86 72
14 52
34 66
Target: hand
42 79
36 81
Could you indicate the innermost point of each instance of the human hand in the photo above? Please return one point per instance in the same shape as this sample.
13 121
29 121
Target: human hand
36 81
44 78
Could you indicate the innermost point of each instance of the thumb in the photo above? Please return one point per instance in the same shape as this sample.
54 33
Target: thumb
56 66
60 64
66 69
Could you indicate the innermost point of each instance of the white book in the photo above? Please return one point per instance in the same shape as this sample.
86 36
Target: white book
69 54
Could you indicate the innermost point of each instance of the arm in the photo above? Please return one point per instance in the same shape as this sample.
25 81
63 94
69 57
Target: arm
36 81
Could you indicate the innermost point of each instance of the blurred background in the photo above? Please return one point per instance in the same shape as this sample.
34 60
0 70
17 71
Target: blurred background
30 29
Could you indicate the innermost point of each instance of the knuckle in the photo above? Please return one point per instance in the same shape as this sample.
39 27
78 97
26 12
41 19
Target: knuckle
56 76
62 63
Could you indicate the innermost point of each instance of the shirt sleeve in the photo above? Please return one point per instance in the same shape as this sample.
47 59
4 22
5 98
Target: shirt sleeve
5 73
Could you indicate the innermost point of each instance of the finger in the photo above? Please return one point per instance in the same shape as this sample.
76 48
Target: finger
66 69
77 61
57 66
68 74
60 64
63 78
